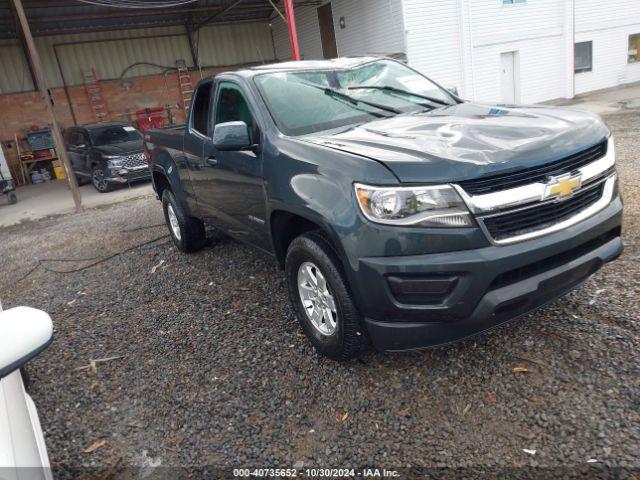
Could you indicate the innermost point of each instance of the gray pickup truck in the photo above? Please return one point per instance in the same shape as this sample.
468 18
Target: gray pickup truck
403 216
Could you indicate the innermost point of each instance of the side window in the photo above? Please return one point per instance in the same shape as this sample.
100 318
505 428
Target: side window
583 57
82 139
634 48
68 137
232 106
200 108
76 138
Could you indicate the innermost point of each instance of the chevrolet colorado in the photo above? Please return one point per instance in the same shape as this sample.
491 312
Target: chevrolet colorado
402 215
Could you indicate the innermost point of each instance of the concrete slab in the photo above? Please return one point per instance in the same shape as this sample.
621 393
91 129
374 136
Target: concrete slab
54 198
606 101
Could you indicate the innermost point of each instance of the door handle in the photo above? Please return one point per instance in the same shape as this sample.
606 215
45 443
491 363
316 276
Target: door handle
212 161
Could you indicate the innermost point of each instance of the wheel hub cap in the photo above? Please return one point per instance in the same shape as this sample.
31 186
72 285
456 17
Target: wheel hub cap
317 300
173 222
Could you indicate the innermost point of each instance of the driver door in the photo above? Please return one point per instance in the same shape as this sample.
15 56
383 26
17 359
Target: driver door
234 185
77 150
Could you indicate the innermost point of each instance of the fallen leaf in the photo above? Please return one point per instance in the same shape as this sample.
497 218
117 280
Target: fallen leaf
404 411
95 446
301 335
491 397
244 289
345 416
520 369
155 267
466 409
114 395
175 441
527 358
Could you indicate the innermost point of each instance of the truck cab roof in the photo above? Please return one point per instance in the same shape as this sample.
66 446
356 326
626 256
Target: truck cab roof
342 63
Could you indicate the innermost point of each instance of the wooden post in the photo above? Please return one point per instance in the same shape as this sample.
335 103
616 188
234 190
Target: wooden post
44 91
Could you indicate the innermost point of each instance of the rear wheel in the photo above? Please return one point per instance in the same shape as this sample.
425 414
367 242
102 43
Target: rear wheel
322 299
12 197
187 233
99 180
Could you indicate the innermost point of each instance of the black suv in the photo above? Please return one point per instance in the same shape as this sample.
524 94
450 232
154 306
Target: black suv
107 154
401 214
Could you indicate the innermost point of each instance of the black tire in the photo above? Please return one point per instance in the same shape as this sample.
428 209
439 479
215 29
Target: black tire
12 197
348 340
192 233
97 179
82 180
26 378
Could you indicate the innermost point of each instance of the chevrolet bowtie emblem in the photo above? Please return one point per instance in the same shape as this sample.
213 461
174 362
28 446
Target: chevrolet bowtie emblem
562 186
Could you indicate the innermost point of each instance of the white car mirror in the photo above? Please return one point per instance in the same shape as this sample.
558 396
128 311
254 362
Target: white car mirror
24 333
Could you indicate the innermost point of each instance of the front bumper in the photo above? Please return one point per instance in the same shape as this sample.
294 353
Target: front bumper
467 292
126 175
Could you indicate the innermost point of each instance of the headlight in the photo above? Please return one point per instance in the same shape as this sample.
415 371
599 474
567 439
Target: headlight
114 160
433 206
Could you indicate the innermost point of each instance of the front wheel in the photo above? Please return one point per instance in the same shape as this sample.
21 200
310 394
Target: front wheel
187 233
322 299
99 180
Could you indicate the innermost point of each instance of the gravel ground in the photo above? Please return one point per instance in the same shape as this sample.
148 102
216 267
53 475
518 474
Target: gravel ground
215 370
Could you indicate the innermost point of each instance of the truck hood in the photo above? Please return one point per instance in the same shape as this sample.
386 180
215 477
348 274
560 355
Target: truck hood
467 141
124 148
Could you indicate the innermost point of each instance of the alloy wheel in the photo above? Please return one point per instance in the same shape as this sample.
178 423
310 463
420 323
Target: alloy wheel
173 222
317 300
99 180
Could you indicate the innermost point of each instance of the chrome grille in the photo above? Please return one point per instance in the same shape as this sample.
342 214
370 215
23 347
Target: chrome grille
538 173
525 220
133 161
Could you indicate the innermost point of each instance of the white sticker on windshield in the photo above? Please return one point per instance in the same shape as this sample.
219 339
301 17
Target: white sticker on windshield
129 129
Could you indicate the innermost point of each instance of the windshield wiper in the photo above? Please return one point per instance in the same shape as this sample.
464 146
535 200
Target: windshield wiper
337 93
401 92
352 100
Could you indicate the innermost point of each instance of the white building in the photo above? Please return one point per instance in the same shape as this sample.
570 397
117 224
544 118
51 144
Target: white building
522 51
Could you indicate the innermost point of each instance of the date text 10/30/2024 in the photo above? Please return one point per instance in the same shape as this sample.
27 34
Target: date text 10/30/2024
315 472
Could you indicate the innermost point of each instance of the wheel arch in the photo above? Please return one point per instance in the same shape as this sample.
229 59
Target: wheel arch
286 225
165 175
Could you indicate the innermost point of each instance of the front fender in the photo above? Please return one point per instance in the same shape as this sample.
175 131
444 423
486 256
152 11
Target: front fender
316 183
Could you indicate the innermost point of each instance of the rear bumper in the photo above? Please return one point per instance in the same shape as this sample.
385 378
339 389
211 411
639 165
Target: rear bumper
473 291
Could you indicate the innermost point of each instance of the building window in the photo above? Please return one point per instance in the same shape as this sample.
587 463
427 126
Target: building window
583 57
511 2
634 48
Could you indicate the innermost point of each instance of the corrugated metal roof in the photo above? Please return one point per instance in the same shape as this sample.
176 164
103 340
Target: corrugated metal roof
15 76
47 17
110 53
82 35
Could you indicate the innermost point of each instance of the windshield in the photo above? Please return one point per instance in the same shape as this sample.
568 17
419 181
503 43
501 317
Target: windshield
373 90
114 134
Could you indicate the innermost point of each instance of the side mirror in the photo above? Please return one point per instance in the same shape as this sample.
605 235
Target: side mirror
231 136
24 333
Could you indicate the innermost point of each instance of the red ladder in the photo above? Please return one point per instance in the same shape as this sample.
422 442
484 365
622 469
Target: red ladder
186 87
94 94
